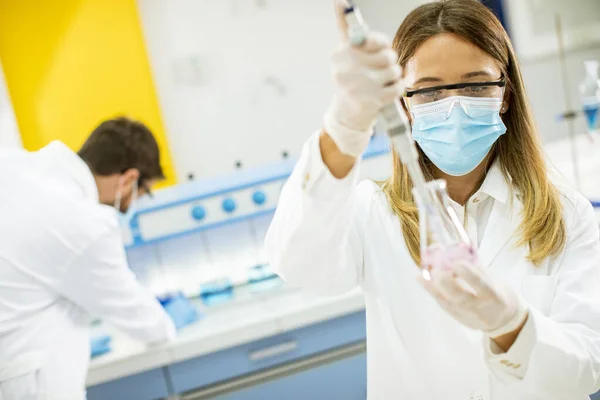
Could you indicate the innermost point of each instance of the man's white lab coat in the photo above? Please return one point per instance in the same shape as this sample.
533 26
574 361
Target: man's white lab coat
332 235
61 259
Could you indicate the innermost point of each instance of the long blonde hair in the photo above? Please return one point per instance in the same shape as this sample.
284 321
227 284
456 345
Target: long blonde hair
519 150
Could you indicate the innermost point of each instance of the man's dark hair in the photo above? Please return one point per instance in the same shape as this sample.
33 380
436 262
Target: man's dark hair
119 144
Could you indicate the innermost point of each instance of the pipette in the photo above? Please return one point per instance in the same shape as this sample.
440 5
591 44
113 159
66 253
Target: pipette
443 238
393 116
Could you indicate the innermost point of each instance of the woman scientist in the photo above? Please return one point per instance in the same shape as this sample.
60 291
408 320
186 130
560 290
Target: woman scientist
531 329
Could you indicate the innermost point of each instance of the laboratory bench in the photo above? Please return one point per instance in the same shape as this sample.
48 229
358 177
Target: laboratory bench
284 342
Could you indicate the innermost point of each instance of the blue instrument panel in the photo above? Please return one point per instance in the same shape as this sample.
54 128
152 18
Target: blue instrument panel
210 203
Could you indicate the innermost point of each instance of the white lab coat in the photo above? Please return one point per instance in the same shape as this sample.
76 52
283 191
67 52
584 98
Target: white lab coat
331 236
61 259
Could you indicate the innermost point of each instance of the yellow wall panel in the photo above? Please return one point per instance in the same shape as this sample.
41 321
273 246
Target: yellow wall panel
70 64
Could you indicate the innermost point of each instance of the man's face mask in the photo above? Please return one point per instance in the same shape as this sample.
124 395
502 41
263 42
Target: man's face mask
129 209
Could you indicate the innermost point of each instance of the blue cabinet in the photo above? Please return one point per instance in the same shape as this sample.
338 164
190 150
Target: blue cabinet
344 375
345 379
256 356
150 385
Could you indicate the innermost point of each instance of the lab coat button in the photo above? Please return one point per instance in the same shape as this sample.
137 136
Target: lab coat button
475 200
305 181
478 395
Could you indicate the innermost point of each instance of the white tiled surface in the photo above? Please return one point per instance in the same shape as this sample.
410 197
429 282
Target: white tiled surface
222 327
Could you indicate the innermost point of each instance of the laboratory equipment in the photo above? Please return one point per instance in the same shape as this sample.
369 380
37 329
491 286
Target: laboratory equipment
100 345
204 238
395 120
443 238
216 292
589 90
262 278
569 114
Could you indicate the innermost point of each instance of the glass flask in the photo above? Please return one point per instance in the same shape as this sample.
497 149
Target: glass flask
444 240
589 90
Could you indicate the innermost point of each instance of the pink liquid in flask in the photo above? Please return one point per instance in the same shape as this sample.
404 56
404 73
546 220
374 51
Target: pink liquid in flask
445 257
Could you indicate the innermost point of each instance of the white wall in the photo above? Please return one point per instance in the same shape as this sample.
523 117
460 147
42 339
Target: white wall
248 79
9 132
262 80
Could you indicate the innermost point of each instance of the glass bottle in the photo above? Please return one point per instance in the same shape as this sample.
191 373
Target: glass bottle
589 90
443 239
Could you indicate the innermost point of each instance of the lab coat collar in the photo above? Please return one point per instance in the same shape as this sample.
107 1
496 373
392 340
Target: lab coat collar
69 162
495 184
505 216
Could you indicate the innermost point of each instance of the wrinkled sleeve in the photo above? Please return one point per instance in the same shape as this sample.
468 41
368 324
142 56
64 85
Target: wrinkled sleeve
558 356
100 281
314 239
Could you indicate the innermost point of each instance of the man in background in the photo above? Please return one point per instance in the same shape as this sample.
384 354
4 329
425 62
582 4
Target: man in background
62 257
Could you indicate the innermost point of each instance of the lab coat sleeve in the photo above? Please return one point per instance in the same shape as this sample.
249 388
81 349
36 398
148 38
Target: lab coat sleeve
314 239
559 355
100 281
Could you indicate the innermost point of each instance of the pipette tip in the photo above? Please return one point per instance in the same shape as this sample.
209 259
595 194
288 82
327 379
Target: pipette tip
349 7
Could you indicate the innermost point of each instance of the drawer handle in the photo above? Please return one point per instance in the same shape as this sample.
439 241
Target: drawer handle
273 351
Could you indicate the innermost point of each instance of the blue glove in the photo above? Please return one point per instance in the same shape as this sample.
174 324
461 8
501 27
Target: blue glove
100 345
181 311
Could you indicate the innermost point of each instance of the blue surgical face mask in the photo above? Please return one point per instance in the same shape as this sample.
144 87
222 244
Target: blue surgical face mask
457 133
125 217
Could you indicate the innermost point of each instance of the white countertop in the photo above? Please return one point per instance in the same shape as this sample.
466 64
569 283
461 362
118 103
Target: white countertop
246 319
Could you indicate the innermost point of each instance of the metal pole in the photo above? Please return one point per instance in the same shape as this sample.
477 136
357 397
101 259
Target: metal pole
565 84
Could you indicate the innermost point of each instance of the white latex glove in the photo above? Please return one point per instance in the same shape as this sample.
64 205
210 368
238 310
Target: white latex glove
366 78
473 298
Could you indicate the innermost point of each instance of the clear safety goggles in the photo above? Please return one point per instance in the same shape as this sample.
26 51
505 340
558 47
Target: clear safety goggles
472 106
489 90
